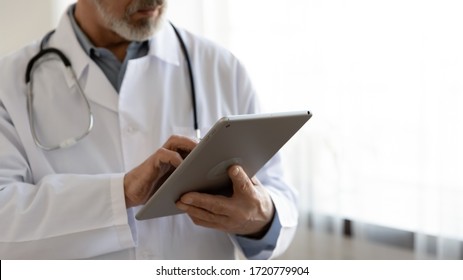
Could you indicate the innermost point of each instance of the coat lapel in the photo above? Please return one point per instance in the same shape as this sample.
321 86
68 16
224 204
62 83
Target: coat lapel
94 83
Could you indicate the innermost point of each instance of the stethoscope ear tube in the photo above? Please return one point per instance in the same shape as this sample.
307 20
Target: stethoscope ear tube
42 53
192 81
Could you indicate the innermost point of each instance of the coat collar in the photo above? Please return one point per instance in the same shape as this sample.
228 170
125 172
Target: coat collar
163 46
65 40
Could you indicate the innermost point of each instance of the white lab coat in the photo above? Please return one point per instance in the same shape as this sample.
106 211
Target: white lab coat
69 203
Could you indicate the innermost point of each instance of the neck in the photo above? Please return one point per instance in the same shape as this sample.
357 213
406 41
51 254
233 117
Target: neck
102 37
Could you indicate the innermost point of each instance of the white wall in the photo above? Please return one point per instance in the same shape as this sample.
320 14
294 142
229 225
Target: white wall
23 21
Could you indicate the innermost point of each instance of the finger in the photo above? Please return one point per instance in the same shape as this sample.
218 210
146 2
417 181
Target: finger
240 180
177 142
203 217
215 204
208 224
255 181
166 156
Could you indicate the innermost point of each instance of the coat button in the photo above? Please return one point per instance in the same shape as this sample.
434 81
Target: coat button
130 130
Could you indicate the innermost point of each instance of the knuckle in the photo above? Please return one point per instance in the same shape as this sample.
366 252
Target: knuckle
208 216
171 141
255 181
173 137
243 216
196 221
216 207
159 153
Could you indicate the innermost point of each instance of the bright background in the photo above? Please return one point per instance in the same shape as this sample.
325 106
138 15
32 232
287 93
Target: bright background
384 80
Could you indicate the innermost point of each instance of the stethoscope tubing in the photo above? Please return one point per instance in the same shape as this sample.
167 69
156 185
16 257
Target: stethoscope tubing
73 140
192 81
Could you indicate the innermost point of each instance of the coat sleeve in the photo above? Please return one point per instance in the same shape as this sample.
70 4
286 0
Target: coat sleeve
60 217
283 195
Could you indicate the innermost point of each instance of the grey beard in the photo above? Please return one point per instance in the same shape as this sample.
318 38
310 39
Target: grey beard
140 31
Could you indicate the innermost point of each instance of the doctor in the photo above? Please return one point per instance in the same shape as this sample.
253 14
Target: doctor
123 121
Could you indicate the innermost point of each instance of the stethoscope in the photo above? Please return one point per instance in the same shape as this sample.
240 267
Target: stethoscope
31 66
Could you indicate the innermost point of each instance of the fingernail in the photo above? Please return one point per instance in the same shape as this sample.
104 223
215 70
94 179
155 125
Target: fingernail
187 200
236 170
182 206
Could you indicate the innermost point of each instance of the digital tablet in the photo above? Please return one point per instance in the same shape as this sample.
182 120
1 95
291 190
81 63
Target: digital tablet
246 140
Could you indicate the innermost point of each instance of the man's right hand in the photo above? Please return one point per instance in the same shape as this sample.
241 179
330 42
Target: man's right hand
141 182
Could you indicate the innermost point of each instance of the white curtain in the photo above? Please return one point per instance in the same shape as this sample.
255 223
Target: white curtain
384 80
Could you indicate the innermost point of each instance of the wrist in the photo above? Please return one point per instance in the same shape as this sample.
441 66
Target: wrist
264 230
129 201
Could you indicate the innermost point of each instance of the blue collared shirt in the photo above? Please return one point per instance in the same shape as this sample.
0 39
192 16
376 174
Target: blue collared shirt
105 59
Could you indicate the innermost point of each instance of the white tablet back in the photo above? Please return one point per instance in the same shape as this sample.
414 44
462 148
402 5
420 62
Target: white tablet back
247 140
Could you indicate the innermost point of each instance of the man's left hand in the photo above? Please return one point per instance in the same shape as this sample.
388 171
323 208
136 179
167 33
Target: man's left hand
248 212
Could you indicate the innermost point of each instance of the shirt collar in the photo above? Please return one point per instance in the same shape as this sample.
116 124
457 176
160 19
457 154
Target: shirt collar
163 45
85 42
81 37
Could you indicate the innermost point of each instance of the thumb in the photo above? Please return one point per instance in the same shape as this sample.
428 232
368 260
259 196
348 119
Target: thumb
241 182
